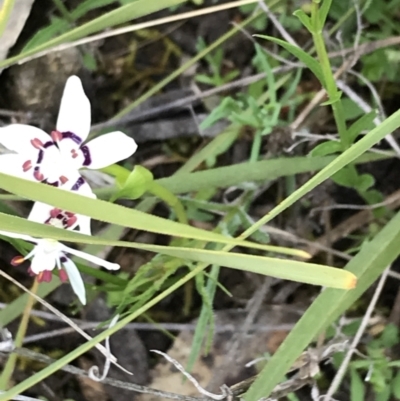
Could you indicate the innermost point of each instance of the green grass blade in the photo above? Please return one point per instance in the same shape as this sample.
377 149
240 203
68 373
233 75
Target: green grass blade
222 177
16 307
111 213
272 169
285 269
205 319
368 264
347 157
122 14
54 367
304 57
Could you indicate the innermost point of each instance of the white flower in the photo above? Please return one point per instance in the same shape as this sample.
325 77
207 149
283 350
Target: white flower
48 254
54 159
46 214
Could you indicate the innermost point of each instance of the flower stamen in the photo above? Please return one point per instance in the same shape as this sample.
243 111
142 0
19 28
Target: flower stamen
56 136
44 276
63 275
63 179
71 221
27 166
37 143
17 260
38 175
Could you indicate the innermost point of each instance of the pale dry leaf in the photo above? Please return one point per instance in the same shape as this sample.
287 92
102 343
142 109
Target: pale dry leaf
14 26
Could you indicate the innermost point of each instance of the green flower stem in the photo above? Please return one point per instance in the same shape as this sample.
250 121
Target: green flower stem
330 84
19 338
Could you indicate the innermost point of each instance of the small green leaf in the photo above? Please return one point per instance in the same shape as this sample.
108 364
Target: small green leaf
347 176
136 184
89 62
304 57
357 389
223 110
396 386
305 20
205 79
372 197
365 181
390 336
363 123
326 148
323 13
263 61
260 24
335 98
351 109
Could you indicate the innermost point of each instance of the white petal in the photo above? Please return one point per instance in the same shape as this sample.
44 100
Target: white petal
84 224
40 212
74 114
91 258
12 164
77 184
75 280
18 137
83 189
18 236
109 149
42 260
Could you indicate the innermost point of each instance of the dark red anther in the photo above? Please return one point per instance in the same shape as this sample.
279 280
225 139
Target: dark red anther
74 153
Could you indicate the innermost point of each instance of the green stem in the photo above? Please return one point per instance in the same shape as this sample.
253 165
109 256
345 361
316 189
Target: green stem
256 147
170 199
19 338
330 84
63 11
5 14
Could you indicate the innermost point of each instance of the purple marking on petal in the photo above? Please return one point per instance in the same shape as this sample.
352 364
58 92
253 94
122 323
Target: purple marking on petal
40 157
48 144
63 259
41 152
72 136
52 184
86 154
80 181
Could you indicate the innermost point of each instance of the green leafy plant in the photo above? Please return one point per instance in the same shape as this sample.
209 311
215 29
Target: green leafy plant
215 62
